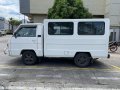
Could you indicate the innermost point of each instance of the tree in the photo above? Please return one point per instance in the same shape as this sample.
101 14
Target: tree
68 9
13 22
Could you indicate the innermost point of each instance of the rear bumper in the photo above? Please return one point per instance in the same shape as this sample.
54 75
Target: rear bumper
108 56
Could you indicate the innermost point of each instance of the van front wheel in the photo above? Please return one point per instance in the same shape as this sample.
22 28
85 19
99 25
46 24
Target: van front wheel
29 58
82 59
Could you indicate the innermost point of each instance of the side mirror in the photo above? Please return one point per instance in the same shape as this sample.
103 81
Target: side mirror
15 35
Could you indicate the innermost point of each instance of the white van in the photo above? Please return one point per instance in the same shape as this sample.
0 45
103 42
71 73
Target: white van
80 39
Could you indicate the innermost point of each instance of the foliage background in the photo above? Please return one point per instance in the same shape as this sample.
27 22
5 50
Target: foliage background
68 9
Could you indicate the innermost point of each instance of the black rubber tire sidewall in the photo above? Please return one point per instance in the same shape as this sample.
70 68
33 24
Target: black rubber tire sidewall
87 62
33 55
115 48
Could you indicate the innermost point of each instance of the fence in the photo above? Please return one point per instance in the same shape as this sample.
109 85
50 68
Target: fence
115 35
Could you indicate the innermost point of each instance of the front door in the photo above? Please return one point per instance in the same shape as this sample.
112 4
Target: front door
25 38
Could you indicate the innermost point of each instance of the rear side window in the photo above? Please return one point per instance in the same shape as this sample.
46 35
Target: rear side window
91 28
60 28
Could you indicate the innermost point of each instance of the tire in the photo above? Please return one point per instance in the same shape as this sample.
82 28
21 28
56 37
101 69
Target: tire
113 48
29 58
82 59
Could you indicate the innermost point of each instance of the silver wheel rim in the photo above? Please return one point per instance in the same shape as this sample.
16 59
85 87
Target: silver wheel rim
29 58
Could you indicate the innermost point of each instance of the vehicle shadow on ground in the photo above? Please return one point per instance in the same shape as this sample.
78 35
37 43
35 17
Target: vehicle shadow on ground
117 53
55 62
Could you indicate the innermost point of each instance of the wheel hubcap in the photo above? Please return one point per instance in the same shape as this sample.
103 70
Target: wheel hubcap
82 60
29 58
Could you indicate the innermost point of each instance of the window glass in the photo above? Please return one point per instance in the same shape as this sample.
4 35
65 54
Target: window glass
91 28
60 28
26 32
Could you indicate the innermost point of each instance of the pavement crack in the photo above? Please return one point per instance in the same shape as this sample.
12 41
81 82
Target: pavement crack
14 70
97 80
102 83
2 86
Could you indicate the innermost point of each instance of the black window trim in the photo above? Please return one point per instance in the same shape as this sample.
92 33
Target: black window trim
90 22
61 34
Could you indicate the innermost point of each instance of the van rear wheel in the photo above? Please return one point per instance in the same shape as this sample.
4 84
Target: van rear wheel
82 59
29 58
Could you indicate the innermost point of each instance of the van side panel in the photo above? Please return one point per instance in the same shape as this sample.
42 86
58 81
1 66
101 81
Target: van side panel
69 45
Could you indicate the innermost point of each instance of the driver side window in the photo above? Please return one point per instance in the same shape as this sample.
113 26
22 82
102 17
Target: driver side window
26 32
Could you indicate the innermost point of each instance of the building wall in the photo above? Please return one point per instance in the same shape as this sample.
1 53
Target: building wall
40 6
96 7
38 18
25 6
113 12
4 24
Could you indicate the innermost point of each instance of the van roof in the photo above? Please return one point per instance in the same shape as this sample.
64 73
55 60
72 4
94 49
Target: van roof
67 20
32 24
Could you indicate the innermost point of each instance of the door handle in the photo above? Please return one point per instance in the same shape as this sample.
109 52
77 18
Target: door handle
39 35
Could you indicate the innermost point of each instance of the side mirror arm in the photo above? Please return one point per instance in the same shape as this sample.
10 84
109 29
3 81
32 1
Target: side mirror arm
15 35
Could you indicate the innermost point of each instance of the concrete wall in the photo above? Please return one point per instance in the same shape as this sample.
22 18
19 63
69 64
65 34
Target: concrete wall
96 7
38 18
25 6
40 6
4 24
113 12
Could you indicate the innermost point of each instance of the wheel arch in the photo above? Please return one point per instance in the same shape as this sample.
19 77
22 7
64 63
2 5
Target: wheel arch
24 50
84 52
